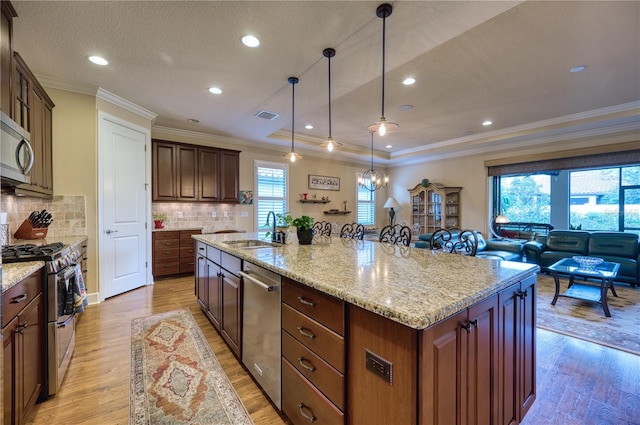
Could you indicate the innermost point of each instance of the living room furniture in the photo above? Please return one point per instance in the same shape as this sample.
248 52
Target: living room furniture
522 230
396 234
435 206
455 241
496 249
605 272
617 247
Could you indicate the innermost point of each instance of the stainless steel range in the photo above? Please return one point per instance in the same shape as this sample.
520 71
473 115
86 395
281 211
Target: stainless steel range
61 275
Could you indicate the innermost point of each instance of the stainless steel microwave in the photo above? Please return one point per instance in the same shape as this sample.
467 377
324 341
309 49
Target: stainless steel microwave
16 154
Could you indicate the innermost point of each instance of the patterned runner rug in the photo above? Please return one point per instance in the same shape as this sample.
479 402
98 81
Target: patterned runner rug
585 320
175 377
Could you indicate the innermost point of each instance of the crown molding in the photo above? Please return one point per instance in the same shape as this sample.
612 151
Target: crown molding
60 84
125 104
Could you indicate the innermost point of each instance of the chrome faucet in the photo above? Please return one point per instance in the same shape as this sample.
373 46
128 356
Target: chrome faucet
276 236
273 232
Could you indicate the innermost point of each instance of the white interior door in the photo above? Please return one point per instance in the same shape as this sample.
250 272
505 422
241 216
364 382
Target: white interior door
123 206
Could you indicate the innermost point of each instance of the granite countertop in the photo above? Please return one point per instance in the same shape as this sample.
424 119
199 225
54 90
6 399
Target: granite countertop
175 229
15 272
67 240
415 287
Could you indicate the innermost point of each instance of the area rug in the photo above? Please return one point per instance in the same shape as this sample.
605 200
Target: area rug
176 378
585 320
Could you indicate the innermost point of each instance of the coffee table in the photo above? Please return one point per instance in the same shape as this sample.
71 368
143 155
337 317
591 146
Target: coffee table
584 290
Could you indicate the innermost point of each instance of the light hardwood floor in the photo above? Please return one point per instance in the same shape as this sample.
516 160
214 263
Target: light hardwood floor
578 382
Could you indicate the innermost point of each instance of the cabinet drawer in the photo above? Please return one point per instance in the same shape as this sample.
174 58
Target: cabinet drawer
321 340
166 235
187 252
230 263
17 297
303 403
321 307
166 243
161 253
317 371
213 254
185 236
187 265
161 268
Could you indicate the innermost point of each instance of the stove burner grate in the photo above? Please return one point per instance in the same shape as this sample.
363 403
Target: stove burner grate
27 251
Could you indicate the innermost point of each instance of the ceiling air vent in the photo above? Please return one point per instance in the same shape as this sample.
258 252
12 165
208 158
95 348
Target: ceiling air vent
267 115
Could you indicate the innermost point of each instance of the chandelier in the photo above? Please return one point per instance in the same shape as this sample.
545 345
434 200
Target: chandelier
373 179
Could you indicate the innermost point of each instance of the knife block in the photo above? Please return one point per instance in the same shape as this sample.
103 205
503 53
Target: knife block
27 231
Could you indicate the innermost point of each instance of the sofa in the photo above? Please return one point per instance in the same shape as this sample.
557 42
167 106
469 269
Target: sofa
493 248
618 247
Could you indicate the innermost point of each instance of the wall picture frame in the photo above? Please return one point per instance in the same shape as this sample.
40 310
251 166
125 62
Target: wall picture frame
324 182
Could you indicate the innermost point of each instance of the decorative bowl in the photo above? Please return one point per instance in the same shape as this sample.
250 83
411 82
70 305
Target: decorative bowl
587 262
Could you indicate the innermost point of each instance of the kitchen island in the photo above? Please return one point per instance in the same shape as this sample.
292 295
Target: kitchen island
429 337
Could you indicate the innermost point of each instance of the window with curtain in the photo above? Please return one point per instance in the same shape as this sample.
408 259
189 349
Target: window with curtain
271 183
366 204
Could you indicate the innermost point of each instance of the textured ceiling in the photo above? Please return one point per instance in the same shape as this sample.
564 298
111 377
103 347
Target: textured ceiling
504 61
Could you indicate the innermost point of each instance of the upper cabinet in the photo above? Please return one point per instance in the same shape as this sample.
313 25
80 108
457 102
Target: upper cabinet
435 206
33 110
192 173
6 57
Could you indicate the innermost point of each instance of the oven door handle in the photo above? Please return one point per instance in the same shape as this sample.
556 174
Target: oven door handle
67 321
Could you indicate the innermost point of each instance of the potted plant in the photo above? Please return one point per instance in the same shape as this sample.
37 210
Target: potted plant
158 220
304 226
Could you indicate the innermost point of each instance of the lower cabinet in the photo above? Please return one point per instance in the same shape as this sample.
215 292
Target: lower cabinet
459 359
22 348
517 350
173 252
219 292
313 355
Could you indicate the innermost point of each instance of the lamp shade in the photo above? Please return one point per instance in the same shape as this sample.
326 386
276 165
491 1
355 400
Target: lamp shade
391 203
500 219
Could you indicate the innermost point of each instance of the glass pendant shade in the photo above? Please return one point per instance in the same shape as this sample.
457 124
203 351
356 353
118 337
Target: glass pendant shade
293 156
382 126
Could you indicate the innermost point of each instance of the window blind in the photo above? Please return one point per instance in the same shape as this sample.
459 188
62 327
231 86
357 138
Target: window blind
366 210
271 184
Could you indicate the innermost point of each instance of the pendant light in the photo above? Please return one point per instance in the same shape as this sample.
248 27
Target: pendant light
383 126
293 156
330 144
373 179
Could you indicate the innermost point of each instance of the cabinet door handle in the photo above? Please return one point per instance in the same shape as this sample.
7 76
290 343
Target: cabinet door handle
305 302
310 417
521 294
467 326
21 327
303 362
304 332
18 299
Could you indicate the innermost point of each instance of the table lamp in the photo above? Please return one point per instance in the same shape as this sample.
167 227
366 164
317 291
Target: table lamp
391 204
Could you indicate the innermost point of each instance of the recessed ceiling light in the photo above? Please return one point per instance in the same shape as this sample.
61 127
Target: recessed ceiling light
409 81
487 123
578 68
250 41
215 90
388 146
98 60
193 120
405 107
308 126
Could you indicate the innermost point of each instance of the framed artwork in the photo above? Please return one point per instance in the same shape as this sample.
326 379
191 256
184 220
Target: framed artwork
246 196
324 182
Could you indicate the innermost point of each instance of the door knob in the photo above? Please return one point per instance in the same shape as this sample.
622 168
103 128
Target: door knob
109 231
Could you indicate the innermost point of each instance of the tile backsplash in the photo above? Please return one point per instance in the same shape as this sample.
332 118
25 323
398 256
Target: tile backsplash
195 215
68 211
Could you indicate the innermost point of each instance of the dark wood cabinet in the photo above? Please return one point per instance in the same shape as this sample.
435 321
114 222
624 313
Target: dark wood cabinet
517 348
192 173
33 110
313 355
23 348
460 364
173 252
219 293
6 57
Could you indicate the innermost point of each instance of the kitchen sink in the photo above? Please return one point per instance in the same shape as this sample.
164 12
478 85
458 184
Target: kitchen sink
251 244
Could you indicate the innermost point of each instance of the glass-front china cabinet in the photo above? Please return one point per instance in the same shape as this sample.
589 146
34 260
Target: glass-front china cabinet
434 206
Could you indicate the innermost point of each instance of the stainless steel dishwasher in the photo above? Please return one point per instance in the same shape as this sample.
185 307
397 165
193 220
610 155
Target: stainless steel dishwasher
261 327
